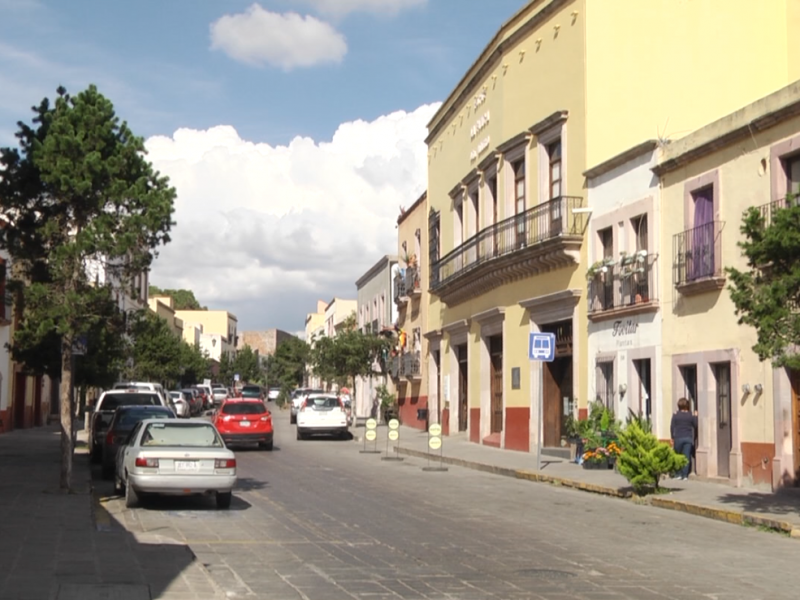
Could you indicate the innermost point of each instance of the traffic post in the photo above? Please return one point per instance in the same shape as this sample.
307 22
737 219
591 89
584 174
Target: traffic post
393 435
541 348
435 443
370 435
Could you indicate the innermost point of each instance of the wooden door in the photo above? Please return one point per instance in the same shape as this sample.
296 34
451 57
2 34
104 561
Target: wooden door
463 382
496 382
795 378
20 380
438 374
551 435
722 373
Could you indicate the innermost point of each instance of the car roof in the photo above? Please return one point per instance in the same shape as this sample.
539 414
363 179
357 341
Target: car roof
179 421
130 391
323 395
239 399
142 407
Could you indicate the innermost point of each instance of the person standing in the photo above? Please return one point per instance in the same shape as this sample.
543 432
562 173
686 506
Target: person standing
683 431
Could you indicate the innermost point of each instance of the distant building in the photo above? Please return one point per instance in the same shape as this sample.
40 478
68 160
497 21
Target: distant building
217 329
164 307
263 342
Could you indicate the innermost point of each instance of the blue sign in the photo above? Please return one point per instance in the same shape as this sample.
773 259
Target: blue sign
542 346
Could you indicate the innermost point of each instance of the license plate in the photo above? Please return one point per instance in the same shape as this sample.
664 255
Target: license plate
187 465
244 423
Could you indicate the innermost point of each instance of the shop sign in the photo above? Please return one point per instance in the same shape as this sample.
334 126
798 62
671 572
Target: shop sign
624 331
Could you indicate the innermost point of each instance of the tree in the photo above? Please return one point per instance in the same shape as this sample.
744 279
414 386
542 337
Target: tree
158 354
348 355
767 294
247 365
195 363
287 367
644 459
183 299
78 195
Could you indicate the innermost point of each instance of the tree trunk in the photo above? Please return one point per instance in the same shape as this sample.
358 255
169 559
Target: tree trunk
66 416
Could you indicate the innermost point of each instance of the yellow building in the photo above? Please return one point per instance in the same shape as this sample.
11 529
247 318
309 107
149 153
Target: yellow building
748 413
217 330
407 366
164 307
563 85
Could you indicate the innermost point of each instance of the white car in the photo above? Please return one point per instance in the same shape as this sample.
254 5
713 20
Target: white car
273 393
298 397
322 414
177 458
181 401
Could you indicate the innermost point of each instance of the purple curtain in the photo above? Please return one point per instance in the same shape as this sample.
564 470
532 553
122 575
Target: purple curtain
701 244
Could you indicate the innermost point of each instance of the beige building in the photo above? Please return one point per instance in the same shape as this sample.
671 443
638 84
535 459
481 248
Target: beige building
164 307
408 364
263 342
748 411
336 312
217 330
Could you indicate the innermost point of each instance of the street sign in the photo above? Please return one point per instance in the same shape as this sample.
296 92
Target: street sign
394 434
394 424
371 435
435 430
236 377
435 442
371 423
80 345
542 346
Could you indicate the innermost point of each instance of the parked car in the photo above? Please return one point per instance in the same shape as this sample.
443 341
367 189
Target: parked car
219 393
183 402
175 457
205 396
298 397
244 421
122 423
273 393
252 391
143 385
197 401
322 414
104 409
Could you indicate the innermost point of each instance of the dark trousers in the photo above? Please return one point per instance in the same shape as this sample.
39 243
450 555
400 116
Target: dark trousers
685 446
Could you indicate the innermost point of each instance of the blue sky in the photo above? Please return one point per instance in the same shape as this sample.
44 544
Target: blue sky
269 79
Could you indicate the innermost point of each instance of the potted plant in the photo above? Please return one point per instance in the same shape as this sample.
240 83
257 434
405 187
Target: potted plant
573 435
388 404
596 458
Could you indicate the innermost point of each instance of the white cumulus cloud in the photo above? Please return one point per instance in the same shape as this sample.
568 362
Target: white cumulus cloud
339 8
258 37
266 231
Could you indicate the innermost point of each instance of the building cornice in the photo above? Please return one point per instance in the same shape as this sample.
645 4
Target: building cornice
620 159
489 315
543 302
557 118
742 124
384 263
491 55
413 207
456 327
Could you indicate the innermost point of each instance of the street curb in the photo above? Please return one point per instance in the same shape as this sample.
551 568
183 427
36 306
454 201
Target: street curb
718 514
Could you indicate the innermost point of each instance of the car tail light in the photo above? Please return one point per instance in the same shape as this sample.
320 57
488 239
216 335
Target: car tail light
109 438
266 418
150 463
226 418
225 463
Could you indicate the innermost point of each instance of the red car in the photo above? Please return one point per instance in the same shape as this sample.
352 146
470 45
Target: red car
244 421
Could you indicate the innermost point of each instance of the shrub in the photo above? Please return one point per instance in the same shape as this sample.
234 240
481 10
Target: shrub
644 460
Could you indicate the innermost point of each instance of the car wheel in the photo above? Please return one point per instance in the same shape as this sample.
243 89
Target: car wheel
266 445
131 497
118 487
94 454
108 471
224 500
300 435
292 420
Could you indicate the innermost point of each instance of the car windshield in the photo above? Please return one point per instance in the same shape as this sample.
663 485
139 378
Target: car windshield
322 403
117 399
127 419
251 392
244 408
184 435
176 395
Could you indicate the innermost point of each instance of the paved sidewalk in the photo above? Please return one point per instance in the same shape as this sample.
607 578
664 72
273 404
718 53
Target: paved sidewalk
52 549
779 511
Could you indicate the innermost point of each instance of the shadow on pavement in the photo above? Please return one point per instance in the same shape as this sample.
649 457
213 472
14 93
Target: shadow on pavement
783 502
53 540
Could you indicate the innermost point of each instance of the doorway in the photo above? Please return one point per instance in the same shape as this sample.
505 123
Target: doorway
795 380
722 374
644 391
463 382
496 382
558 391
689 376
20 380
437 357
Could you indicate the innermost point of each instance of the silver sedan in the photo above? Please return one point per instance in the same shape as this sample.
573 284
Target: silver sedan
175 458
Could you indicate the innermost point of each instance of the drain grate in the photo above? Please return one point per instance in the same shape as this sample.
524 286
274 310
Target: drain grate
546 573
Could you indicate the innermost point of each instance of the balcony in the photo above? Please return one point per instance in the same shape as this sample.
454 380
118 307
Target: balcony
543 238
629 288
400 295
394 367
412 366
768 210
412 282
697 259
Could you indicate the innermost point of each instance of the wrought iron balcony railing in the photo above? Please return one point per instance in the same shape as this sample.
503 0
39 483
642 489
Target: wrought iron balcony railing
400 294
412 365
412 281
524 233
697 259
768 210
624 287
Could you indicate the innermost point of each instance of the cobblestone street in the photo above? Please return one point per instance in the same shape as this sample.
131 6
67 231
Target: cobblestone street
320 520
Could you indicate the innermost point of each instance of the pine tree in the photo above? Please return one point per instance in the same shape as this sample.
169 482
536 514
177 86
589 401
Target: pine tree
644 460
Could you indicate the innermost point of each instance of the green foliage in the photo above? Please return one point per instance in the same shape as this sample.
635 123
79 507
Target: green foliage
385 397
160 355
644 460
183 299
287 367
642 421
245 363
767 294
348 355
